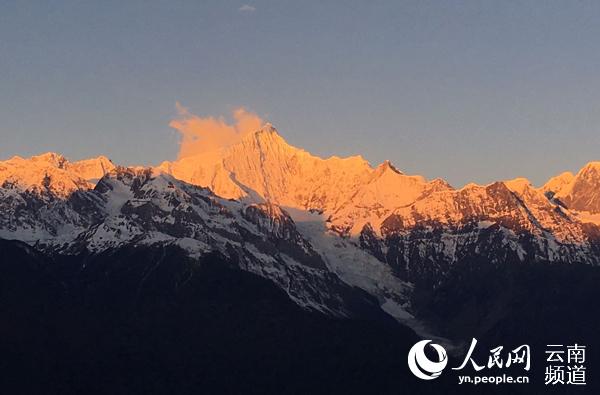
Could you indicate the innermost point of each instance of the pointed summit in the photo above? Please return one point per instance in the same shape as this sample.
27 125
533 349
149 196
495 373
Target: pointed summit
387 166
51 158
557 183
263 138
518 185
592 168
582 193
268 128
266 134
92 169
46 173
262 166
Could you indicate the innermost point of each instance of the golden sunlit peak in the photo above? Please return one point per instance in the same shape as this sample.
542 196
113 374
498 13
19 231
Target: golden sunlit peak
53 158
387 165
268 127
591 166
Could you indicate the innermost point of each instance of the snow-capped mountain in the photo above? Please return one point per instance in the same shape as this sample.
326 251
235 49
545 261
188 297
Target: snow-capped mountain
558 182
263 166
582 191
52 174
329 232
146 207
382 204
34 193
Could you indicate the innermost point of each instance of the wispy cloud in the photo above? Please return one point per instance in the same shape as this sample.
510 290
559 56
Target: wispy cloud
247 8
205 134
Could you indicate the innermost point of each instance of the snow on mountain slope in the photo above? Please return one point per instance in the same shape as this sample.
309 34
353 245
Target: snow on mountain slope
354 265
547 217
582 193
344 224
503 220
558 182
93 169
52 174
357 267
370 205
141 206
471 204
578 194
386 190
263 167
38 195
44 174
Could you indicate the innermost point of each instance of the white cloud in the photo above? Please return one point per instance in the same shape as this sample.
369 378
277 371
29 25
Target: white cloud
247 8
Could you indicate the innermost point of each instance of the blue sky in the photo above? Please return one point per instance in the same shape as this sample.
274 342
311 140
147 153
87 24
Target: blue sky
467 91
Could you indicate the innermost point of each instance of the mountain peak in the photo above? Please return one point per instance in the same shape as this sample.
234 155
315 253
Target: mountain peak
518 184
52 172
557 183
265 130
46 173
268 128
51 158
590 167
387 166
267 135
581 192
92 169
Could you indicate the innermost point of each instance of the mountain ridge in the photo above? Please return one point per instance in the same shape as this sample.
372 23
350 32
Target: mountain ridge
315 227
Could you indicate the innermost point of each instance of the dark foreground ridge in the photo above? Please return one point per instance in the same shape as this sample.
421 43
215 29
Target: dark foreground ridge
154 321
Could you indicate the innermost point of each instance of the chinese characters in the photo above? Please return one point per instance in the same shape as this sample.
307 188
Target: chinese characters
567 364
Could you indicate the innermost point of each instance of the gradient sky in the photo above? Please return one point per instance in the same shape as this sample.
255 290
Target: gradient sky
467 91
